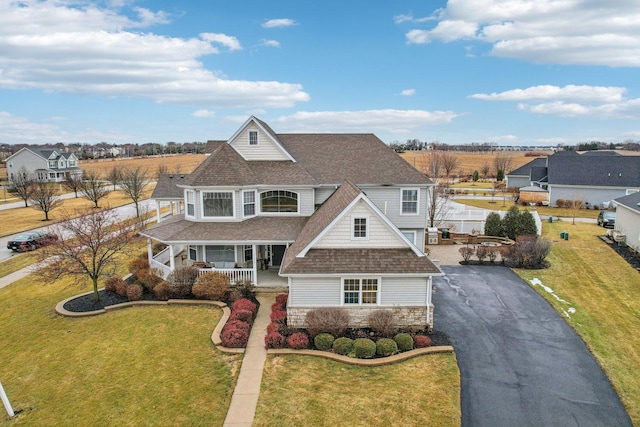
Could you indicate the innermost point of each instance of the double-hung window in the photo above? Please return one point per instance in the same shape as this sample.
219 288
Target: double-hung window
409 201
253 137
249 203
217 204
360 228
360 291
191 204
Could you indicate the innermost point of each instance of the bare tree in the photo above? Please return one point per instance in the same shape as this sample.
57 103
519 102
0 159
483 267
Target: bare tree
87 246
93 188
45 198
574 206
449 162
162 170
133 183
485 169
21 183
437 193
72 182
113 176
502 163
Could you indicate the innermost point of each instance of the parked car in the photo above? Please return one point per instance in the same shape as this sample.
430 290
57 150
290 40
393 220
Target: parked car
30 241
607 219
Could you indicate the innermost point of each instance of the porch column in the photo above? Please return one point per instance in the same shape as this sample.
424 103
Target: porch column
158 212
172 261
254 258
171 208
149 251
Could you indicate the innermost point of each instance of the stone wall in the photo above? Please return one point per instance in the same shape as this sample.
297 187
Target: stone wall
418 317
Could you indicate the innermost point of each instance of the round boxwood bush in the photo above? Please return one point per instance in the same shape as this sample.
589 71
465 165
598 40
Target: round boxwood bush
386 347
343 345
323 341
364 348
422 341
404 341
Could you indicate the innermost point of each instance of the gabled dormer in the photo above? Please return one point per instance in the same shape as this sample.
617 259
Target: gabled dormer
255 140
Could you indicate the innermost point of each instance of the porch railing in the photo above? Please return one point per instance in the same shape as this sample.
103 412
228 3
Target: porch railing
165 270
235 274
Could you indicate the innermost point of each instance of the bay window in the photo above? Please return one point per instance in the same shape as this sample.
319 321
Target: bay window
217 204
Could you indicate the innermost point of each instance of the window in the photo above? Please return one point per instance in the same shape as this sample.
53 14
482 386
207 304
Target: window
191 204
360 291
193 253
410 235
249 203
248 253
360 228
219 253
253 137
409 202
72 163
217 204
279 201
52 163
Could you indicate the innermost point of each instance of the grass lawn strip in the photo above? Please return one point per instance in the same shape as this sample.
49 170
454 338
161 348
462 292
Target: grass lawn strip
17 262
564 213
302 390
144 366
603 289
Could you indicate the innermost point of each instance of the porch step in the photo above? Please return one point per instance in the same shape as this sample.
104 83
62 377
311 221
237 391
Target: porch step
271 290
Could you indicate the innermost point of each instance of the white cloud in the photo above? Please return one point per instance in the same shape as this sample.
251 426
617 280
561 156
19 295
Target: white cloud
270 43
569 92
543 31
504 138
203 113
392 121
279 23
408 92
402 18
76 48
551 140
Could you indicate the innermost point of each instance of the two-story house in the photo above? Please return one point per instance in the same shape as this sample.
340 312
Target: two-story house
43 164
340 217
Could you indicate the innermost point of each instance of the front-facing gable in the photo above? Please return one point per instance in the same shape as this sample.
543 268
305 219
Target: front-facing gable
255 140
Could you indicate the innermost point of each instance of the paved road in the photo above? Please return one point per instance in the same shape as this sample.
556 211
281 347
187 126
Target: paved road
520 362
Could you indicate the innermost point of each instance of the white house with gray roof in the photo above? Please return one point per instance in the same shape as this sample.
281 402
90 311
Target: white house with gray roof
43 164
340 217
628 219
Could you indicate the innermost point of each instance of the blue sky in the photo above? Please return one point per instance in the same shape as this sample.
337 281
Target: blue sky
513 72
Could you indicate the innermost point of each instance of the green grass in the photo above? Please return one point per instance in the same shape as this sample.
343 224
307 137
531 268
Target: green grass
18 261
500 205
137 366
605 292
302 390
480 185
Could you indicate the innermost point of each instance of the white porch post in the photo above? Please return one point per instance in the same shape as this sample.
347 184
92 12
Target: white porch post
172 261
254 258
149 250
158 212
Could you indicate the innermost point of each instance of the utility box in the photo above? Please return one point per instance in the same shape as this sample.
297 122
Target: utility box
432 236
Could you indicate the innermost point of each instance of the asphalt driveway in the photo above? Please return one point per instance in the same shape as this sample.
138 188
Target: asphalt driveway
520 362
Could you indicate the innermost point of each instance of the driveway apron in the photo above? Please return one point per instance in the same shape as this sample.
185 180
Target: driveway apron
520 363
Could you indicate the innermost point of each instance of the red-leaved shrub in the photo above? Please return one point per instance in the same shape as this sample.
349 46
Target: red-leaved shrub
273 327
277 306
422 341
244 304
278 316
273 340
237 324
282 299
242 315
233 337
298 341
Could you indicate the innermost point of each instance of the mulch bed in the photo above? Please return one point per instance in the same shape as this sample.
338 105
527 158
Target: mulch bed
632 257
86 303
437 337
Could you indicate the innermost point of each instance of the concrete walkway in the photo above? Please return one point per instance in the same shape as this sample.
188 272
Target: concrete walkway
245 396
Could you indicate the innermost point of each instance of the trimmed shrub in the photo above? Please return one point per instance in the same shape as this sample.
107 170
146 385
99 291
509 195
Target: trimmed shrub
493 225
273 327
273 340
466 253
481 254
404 341
134 292
364 348
298 341
149 278
246 287
276 306
382 323
234 295
121 288
182 280
237 324
331 320
138 264
323 341
343 345
111 284
386 347
162 290
492 254
278 316
422 341
233 337
282 299
242 315
528 252
244 304
211 285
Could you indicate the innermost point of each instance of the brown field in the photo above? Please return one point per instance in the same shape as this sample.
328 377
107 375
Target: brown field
184 163
468 162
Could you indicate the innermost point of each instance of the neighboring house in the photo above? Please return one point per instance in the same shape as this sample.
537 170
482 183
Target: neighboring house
595 177
628 219
44 164
167 193
341 217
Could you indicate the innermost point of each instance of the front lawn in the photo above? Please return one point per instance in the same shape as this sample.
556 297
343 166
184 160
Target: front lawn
136 366
303 390
605 293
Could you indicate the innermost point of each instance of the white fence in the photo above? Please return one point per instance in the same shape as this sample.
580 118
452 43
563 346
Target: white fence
235 274
461 218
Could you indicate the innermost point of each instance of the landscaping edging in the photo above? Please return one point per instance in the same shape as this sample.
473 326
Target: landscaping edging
215 335
366 362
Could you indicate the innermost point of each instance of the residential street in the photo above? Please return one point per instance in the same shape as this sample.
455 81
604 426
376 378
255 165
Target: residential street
520 363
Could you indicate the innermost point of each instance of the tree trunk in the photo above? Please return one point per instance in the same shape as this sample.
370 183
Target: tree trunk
96 295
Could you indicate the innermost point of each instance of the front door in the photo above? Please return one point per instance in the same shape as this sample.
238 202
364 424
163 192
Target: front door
277 254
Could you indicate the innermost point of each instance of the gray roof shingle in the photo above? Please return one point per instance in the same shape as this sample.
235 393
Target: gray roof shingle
632 201
167 187
597 171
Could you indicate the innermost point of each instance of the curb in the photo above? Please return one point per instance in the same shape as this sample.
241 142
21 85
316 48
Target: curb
366 362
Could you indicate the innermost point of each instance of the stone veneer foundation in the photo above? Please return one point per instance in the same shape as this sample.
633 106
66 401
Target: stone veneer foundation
418 317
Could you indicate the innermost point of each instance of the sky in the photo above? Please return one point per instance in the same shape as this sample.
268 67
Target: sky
511 72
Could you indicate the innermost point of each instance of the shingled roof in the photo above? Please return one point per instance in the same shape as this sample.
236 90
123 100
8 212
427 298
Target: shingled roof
525 170
598 171
632 201
167 187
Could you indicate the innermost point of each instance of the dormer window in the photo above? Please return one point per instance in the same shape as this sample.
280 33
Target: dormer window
253 137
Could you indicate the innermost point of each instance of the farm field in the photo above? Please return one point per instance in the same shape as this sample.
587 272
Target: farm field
184 163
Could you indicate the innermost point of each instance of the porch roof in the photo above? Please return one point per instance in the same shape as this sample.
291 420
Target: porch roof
258 229
361 261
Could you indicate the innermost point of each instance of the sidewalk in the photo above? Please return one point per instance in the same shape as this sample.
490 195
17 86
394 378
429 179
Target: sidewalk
245 396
